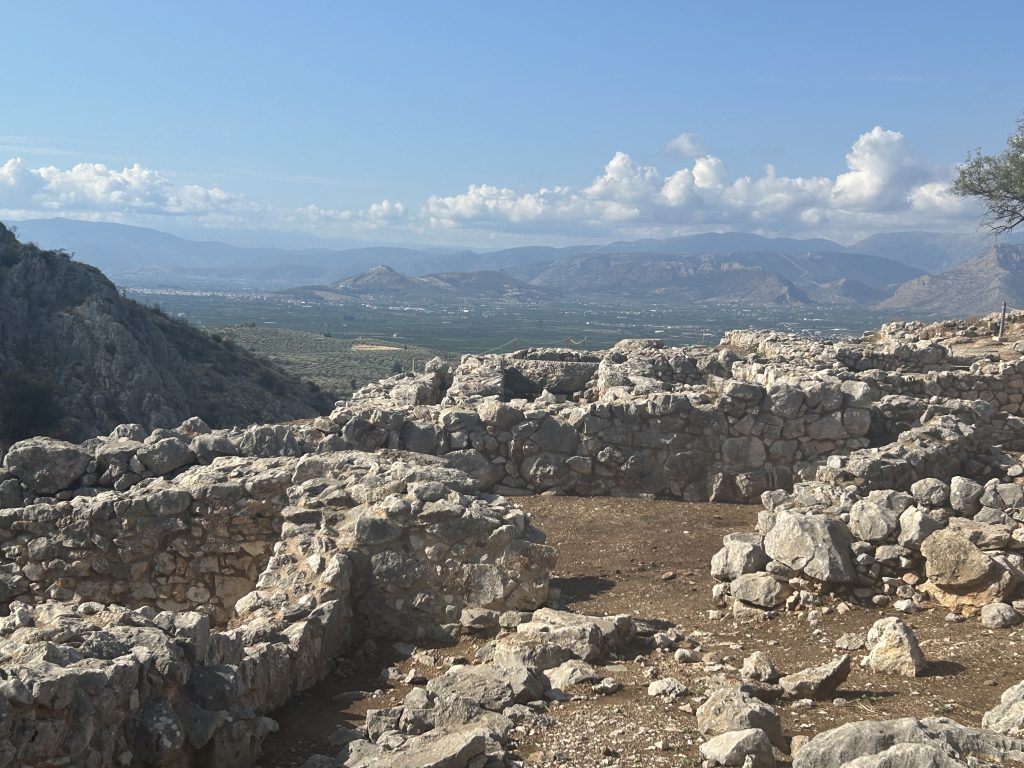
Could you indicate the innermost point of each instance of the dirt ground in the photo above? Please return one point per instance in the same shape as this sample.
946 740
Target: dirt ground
650 559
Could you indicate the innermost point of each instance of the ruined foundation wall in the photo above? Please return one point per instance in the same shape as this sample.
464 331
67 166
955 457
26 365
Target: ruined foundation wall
379 546
159 594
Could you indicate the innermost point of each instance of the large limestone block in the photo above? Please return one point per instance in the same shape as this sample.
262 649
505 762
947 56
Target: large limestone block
749 747
1008 715
165 456
740 454
872 522
46 465
953 562
817 682
737 558
842 746
817 545
894 649
760 589
729 709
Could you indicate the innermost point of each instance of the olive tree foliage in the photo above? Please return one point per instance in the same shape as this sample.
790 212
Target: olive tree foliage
998 182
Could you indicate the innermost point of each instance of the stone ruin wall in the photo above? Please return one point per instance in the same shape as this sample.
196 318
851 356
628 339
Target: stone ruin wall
696 426
105 662
659 432
159 594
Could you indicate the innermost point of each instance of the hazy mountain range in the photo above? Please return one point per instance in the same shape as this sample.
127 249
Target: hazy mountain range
387 284
976 286
893 270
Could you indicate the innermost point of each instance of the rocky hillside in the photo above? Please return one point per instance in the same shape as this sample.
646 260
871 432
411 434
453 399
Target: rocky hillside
757 277
384 282
976 286
669 279
76 358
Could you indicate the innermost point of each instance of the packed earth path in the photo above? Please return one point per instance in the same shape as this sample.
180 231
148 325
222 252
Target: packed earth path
650 559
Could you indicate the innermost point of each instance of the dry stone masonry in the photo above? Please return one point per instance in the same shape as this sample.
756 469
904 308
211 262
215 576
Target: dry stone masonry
157 625
162 592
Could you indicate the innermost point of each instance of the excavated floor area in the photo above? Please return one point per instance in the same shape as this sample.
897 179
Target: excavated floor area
650 558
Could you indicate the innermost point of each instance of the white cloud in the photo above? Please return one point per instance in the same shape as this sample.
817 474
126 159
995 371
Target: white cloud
882 173
884 187
92 190
685 144
385 211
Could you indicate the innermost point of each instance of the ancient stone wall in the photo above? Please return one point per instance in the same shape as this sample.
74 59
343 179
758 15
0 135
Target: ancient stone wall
160 593
293 559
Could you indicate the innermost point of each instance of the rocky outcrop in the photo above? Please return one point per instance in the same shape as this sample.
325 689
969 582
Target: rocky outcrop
466 716
932 546
77 358
933 741
978 285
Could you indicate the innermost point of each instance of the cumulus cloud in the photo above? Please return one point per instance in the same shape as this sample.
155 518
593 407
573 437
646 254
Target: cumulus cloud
92 190
377 215
883 187
685 144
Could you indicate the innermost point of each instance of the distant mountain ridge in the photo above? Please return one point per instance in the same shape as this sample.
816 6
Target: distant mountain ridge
383 282
145 257
975 287
728 266
932 252
762 277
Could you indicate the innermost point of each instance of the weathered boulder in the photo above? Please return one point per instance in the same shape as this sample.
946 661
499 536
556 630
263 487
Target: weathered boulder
960 576
571 673
817 682
737 558
45 465
894 649
842 746
728 709
964 495
208 447
814 544
1007 716
441 748
1000 616
484 685
552 638
873 522
165 456
930 491
667 687
749 748
758 667
915 527
760 589
953 562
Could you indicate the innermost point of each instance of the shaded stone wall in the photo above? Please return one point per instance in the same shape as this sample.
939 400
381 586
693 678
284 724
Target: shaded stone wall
388 546
173 545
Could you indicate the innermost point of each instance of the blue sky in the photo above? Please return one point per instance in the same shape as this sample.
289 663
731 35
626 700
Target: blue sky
485 123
